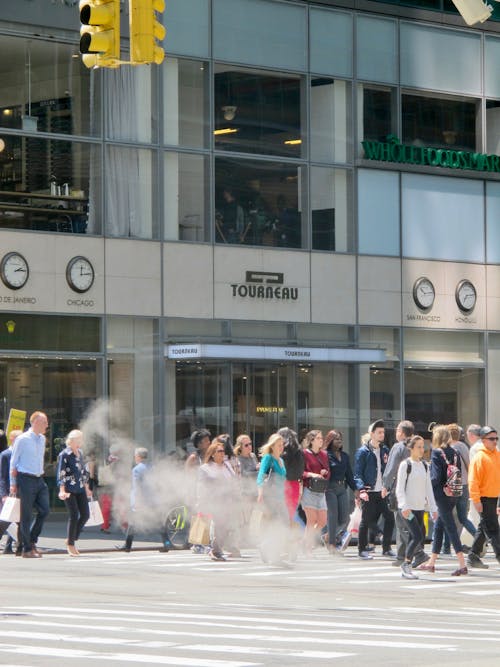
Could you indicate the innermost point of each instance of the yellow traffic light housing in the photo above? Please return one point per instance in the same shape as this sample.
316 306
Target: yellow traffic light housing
100 33
146 31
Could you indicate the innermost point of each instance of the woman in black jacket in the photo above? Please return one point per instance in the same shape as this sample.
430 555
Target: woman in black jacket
341 477
293 458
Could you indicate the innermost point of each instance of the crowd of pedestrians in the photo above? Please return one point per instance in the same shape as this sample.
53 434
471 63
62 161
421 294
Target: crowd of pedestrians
290 497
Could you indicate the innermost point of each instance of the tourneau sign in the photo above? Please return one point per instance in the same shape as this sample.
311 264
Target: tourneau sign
393 150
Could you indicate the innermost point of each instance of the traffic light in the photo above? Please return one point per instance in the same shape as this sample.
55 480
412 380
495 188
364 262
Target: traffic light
100 32
146 31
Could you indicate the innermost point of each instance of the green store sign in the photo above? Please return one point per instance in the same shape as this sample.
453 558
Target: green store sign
393 150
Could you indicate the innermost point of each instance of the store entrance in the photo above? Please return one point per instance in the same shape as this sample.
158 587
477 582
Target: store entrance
258 398
444 395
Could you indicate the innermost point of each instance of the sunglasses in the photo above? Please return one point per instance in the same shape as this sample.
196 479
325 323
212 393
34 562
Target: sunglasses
219 451
247 444
492 439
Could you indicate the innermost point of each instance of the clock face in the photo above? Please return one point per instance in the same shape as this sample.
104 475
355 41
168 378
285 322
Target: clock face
424 293
466 296
14 270
80 274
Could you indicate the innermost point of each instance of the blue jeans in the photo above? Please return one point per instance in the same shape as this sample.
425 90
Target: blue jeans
34 494
445 522
338 510
462 508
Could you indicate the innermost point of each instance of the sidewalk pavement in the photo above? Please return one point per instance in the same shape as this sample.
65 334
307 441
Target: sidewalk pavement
52 539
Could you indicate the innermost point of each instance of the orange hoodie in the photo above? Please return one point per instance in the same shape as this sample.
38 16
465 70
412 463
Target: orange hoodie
484 474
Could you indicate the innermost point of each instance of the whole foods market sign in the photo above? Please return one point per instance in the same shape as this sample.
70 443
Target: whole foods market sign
393 150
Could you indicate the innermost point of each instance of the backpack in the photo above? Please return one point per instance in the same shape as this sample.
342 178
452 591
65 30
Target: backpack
453 487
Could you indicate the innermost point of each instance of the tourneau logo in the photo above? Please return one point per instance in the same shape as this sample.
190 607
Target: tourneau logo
264 285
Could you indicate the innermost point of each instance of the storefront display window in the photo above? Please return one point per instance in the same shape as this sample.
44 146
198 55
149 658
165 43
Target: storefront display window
257 112
49 185
258 203
187 197
185 100
440 122
46 88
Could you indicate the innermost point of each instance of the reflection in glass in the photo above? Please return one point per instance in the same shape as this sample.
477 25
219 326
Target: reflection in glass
257 112
47 184
493 127
46 88
378 113
433 121
186 195
329 209
130 88
257 203
186 108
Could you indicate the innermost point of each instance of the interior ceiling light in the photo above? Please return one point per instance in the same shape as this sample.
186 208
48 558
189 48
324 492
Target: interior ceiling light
229 111
293 142
226 130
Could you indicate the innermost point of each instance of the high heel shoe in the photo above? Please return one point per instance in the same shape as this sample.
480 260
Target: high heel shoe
427 568
460 571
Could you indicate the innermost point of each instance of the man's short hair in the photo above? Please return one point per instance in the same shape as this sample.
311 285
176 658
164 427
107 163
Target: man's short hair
378 423
407 427
35 416
142 453
197 436
475 429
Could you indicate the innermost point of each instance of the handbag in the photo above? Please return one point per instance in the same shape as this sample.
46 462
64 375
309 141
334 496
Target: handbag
95 514
11 510
318 484
199 533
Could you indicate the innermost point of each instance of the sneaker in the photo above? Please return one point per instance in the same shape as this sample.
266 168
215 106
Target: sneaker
474 561
389 553
198 549
370 547
365 555
346 538
216 555
406 571
419 559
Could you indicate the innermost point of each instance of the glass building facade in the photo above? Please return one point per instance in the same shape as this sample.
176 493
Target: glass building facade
243 196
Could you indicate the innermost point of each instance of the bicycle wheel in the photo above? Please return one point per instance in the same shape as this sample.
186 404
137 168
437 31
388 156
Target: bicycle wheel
176 528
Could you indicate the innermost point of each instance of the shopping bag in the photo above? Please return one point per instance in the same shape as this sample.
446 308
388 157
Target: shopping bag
95 514
354 520
199 533
11 510
12 531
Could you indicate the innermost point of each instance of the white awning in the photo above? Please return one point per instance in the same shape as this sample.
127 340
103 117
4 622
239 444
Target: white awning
274 353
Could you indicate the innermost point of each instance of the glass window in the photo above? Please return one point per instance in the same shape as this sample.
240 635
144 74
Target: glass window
376 49
493 222
493 376
424 47
258 203
132 345
491 59
443 218
257 112
331 228
435 121
377 115
443 346
378 212
49 184
493 127
129 188
330 130
330 42
45 87
63 333
272 34
186 195
130 88
185 99
188 27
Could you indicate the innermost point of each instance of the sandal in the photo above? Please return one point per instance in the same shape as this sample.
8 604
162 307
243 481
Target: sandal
427 568
460 571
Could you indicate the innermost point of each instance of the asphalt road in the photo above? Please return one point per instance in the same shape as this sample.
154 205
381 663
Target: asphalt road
179 608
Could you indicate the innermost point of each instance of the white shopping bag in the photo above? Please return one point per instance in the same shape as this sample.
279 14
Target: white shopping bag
95 514
354 520
12 531
11 510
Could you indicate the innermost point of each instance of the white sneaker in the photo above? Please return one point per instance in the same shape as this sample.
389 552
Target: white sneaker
406 571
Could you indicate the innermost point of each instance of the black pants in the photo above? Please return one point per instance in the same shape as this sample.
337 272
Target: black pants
78 510
487 528
371 510
416 531
34 494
